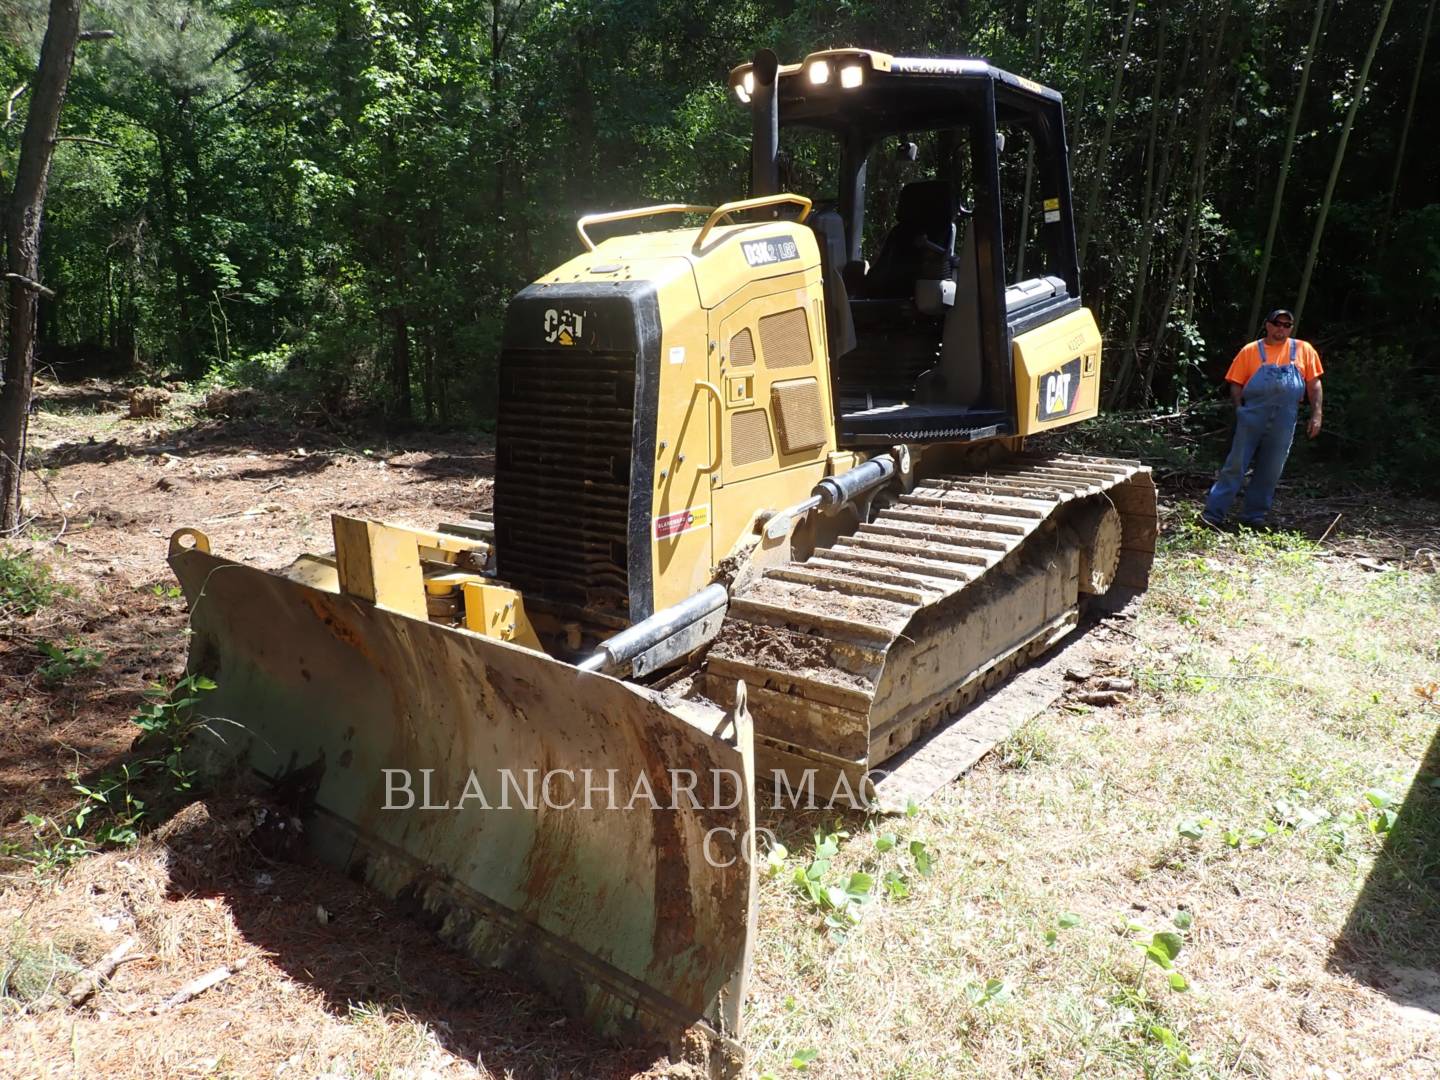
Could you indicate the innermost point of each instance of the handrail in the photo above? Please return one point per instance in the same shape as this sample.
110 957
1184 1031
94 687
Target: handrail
637 212
719 421
720 213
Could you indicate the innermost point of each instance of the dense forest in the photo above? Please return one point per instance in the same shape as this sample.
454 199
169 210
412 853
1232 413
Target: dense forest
335 198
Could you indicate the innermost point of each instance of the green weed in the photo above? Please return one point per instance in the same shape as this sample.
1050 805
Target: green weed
30 971
26 585
63 664
114 805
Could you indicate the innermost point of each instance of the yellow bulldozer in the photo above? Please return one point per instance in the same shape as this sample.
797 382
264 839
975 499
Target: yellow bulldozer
764 521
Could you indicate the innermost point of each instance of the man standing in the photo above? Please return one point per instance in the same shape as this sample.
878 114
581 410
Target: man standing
1267 380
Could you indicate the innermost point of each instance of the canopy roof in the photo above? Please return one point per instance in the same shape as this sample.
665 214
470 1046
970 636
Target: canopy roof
879 94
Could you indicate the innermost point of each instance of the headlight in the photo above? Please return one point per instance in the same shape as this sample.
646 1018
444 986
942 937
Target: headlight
852 76
819 72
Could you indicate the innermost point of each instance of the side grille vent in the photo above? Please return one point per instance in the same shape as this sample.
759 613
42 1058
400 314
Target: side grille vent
742 349
785 339
749 437
797 414
562 476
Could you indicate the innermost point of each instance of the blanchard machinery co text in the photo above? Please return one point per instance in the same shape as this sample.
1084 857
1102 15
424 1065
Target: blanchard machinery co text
602 789
596 789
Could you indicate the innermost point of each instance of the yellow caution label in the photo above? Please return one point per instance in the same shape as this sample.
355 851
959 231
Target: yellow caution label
1052 204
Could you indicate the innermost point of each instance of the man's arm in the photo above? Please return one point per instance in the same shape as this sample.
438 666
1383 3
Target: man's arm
1237 391
1314 394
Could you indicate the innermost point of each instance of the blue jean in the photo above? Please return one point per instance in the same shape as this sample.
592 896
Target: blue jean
1264 430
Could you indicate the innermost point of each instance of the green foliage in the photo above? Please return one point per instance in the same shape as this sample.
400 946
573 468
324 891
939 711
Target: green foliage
992 991
114 804
335 201
62 664
31 970
26 585
1162 948
841 901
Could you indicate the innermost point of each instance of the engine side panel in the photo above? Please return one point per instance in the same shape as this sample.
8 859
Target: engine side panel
1057 373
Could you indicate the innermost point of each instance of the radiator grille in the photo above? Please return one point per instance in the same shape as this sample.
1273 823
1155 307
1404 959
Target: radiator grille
797 414
742 349
562 476
749 437
785 339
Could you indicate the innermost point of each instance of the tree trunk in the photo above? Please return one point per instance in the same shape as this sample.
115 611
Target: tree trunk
1023 239
400 362
1077 134
1102 151
1405 126
1215 70
22 244
1259 298
1151 192
1360 82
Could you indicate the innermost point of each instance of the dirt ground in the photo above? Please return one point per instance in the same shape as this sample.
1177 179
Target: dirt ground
317 998
111 491
334 981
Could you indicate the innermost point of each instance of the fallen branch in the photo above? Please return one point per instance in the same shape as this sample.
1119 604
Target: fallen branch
1100 697
1329 530
91 978
1116 685
195 987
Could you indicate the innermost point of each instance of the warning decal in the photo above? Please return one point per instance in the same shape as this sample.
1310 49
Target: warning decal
682 521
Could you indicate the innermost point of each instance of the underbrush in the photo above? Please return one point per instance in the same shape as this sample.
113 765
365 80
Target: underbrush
115 804
26 585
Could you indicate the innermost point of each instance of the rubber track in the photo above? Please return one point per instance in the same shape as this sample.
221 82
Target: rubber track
836 614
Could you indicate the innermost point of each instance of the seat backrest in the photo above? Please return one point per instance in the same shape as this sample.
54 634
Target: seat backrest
960 367
924 221
830 232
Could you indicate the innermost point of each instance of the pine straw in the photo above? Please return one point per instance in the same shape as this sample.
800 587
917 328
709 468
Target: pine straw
366 993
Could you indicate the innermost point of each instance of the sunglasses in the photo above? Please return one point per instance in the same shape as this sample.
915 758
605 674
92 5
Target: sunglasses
1281 322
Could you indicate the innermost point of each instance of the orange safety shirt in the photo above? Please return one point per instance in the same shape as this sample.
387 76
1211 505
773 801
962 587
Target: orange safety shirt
1248 360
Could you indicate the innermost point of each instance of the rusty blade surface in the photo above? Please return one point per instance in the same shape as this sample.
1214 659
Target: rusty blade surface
636 912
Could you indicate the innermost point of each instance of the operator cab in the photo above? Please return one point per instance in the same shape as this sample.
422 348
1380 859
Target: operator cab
937 246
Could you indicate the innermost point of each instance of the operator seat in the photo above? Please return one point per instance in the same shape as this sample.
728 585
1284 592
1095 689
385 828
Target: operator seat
830 236
921 245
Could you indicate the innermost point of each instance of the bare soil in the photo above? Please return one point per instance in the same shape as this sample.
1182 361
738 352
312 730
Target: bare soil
339 982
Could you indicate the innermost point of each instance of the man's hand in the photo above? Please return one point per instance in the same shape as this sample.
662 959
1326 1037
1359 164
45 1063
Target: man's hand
1314 425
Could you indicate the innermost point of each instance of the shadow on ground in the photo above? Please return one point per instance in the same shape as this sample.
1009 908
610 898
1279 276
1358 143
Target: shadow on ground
1391 941
363 954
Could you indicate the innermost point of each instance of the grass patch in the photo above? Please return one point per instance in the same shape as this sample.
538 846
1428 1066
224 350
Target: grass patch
1269 798
26 584
31 970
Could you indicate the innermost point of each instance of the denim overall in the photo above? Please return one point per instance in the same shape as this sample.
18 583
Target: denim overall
1264 428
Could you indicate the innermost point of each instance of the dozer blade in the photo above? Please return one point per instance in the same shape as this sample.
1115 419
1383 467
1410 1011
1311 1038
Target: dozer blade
634 907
